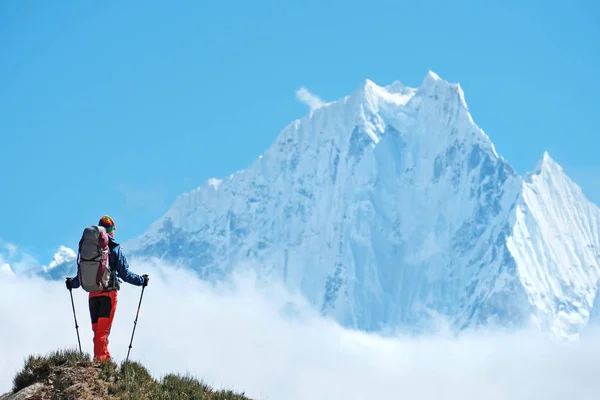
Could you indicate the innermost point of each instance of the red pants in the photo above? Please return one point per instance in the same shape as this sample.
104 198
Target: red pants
102 312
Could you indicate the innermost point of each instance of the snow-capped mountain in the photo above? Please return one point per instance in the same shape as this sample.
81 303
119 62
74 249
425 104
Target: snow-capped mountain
64 263
555 243
390 207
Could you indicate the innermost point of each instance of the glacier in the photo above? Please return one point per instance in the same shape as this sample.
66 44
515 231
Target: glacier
389 209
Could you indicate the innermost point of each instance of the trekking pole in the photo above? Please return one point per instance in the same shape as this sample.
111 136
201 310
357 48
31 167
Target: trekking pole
135 323
75 316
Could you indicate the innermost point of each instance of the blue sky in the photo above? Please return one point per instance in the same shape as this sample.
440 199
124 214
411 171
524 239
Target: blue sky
119 107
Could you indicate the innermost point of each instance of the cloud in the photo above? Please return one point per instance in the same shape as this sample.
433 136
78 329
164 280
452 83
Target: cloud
64 255
5 268
17 260
14 260
11 249
258 338
311 100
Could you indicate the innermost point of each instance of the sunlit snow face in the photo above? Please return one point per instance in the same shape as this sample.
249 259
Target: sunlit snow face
390 201
260 339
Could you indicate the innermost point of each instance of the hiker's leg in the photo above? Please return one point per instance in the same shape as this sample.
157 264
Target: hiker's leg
94 305
107 303
111 318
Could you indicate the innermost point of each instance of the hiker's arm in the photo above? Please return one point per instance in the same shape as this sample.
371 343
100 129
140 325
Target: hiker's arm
123 269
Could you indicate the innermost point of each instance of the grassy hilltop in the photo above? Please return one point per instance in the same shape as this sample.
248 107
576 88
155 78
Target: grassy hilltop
67 374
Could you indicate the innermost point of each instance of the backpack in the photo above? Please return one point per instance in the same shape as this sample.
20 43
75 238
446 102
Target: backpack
92 259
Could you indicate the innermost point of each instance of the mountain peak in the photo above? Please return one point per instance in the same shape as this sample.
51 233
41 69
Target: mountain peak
434 86
64 255
417 205
398 87
367 83
547 165
431 80
366 90
549 161
372 96
432 75
549 176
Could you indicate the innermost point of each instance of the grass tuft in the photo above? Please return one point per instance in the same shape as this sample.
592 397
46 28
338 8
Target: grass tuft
38 368
174 386
133 381
130 380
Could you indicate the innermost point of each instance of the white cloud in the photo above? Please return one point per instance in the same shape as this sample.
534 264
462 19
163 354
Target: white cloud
311 100
5 268
18 260
11 249
262 340
13 258
62 256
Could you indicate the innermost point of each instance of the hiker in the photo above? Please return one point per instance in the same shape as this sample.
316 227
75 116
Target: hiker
103 300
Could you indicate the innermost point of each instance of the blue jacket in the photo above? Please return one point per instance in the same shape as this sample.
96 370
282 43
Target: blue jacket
120 267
